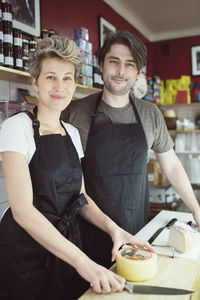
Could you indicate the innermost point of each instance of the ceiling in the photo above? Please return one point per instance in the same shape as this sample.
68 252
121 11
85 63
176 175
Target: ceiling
160 19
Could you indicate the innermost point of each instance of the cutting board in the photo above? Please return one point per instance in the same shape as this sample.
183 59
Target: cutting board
172 272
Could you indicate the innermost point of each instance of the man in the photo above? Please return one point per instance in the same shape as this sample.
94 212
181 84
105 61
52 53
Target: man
117 132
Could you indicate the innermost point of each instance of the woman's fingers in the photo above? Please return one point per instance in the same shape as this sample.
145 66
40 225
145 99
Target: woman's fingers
108 283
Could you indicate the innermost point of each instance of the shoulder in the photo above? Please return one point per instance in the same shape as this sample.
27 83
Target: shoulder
16 122
147 108
85 102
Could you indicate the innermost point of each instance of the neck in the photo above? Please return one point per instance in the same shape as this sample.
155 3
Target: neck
48 117
115 100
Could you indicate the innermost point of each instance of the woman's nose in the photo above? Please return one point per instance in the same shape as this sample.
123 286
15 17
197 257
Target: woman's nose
59 85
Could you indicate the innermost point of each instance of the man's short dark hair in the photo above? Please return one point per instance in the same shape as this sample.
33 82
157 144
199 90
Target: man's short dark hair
136 46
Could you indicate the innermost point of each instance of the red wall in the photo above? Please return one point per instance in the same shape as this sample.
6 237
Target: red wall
64 16
176 59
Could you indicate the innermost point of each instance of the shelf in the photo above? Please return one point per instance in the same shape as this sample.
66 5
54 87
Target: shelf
188 152
193 104
25 77
14 75
185 131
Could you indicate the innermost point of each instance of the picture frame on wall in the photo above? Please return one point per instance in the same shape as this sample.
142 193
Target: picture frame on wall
105 27
26 16
195 56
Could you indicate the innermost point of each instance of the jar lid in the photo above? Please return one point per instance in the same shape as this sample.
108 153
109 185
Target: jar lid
25 41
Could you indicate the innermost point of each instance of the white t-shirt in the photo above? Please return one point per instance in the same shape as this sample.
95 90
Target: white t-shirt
16 135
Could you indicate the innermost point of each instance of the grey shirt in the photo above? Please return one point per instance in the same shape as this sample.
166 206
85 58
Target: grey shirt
79 113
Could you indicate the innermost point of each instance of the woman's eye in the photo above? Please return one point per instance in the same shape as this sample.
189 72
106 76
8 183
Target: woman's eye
50 77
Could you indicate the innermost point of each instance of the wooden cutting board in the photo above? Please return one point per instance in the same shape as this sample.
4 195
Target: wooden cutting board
172 272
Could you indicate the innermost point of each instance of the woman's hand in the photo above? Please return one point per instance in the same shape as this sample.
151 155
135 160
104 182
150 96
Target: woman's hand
101 280
121 237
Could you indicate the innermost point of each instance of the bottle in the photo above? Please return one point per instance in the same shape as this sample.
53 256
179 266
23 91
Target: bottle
7 33
1 31
32 45
25 44
17 56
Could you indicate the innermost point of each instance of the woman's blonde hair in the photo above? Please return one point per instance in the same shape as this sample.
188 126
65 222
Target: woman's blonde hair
55 46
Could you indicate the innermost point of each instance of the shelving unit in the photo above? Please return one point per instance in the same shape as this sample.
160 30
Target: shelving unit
24 77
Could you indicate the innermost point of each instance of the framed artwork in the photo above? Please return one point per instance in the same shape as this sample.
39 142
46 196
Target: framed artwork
105 27
26 16
195 55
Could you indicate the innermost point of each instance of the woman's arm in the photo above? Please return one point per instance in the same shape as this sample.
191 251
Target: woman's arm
20 196
119 236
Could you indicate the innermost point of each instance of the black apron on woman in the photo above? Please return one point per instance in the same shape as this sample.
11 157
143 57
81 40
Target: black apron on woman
27 269
115 173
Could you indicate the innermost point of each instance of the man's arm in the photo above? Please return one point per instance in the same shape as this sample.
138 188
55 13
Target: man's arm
173 169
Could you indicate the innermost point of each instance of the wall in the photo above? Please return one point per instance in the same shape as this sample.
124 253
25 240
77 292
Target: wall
172 58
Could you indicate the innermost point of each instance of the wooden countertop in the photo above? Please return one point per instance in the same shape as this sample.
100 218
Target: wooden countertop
183 271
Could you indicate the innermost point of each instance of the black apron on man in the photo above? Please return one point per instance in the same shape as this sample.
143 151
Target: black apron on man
28 270
115 173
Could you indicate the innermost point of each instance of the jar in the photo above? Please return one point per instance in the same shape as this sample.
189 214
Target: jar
0 10
25 44
1 31
7 33
51 32
32 46
8 55
1 54
44 34
17 55
17 37
7 12
25 63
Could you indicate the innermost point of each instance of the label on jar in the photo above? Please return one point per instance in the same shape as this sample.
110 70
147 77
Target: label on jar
19 62
8 60
1 58
7 16
18 42
8 38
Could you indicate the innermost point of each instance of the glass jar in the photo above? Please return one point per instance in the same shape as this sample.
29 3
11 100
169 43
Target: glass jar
1 54
7 12
7 33
17 37
44 33
25 44
0 10
1 31
51 32
25 63
8 56
17 55
32 46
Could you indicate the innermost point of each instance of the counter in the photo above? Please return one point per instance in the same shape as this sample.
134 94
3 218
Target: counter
183 271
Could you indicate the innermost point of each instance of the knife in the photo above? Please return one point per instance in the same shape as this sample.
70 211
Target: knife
155 290
154 236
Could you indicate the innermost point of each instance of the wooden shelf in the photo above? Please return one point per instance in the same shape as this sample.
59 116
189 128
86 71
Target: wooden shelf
193 104
25 77
184 131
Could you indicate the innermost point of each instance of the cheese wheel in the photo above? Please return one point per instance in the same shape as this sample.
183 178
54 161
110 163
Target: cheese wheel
136 264
180 236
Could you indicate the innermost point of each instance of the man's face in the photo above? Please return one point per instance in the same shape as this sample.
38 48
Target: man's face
119 70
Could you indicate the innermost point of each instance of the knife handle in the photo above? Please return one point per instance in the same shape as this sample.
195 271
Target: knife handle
171 222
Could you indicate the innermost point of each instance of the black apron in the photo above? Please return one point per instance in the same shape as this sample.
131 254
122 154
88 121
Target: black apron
115 173
27 269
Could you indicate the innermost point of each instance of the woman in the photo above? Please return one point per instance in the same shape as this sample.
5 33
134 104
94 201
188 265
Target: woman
40 248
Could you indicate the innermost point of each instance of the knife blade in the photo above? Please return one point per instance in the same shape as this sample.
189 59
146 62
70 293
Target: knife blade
156 234
155 290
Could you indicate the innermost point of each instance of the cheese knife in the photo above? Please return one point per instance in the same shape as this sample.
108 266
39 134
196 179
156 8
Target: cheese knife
155 290
156 234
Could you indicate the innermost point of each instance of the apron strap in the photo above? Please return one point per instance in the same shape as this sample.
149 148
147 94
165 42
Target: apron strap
35 123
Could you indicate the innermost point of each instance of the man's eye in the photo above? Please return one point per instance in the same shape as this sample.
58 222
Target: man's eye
68 78
113 61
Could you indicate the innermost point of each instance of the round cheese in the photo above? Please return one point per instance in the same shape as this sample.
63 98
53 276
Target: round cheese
136 264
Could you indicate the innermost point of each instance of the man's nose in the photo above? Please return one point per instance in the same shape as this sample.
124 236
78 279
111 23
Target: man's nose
121 70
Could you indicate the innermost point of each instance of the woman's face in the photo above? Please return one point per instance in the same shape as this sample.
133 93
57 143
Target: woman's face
56 83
